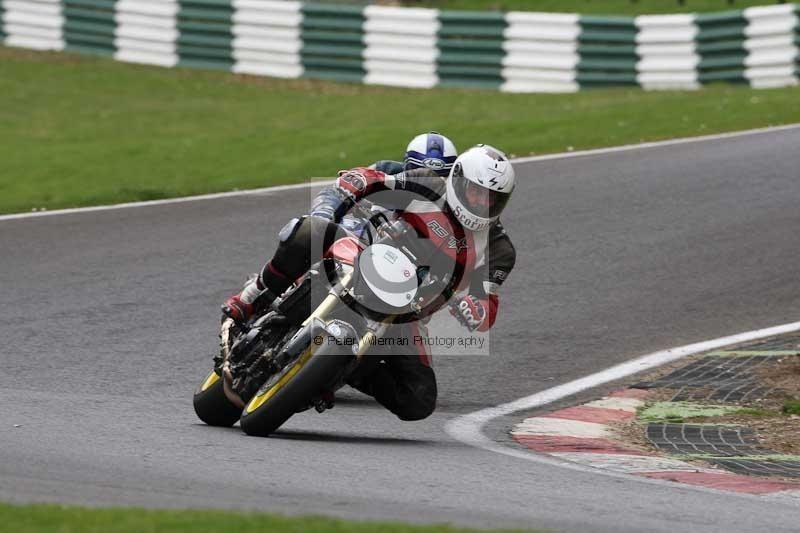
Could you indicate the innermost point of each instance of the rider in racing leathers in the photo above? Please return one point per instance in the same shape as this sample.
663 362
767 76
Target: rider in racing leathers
458 213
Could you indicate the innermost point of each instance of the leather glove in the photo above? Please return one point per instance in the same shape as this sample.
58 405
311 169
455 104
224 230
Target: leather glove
469 311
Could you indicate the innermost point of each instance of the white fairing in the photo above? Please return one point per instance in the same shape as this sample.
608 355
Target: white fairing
397 275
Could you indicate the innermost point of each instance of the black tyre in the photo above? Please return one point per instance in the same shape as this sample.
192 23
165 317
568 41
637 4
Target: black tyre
211 404
290 391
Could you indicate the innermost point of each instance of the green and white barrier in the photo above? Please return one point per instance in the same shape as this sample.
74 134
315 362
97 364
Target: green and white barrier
267 38
423 48
400 46
37 25
146 32
666 52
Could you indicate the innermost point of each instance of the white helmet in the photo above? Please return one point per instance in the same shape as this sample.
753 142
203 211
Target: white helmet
479 186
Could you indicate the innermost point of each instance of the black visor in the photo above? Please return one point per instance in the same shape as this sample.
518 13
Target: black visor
478 200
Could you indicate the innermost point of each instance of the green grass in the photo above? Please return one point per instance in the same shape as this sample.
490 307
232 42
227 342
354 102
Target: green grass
61 519
686 412
595 7
78 130
791 407
757 412
678 412
766 457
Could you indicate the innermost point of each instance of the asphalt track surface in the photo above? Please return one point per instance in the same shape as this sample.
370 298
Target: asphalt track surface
108 323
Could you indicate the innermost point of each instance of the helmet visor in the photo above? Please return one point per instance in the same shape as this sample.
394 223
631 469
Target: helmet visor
478 200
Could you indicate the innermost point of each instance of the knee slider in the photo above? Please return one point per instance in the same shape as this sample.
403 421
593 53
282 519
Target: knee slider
289 230
416 411
421 406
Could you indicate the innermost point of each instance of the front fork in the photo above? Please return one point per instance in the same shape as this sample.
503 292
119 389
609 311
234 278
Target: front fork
320 315
375 330
370 337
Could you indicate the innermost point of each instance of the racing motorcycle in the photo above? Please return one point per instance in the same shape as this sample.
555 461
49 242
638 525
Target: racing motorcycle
293 354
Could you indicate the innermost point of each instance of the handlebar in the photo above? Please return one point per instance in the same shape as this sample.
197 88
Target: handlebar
378 220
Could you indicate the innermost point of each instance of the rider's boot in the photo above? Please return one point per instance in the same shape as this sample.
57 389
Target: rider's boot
239 307
271 283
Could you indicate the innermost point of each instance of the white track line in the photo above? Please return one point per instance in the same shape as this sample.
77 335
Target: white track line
469 428
656 144
279 188
166 201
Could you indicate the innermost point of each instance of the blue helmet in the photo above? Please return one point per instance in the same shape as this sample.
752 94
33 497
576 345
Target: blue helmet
431 150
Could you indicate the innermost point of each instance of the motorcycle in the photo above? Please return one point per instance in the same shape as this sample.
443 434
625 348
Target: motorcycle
294 353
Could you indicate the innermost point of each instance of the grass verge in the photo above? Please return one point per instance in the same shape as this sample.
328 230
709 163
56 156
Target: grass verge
68 519
684 412
595 7
791 407
77 130
773 414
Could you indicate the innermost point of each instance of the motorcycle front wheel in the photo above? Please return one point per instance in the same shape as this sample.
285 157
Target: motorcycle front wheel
318 366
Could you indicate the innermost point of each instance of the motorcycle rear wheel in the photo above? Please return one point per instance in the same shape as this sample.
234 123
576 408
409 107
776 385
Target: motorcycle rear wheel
211 404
